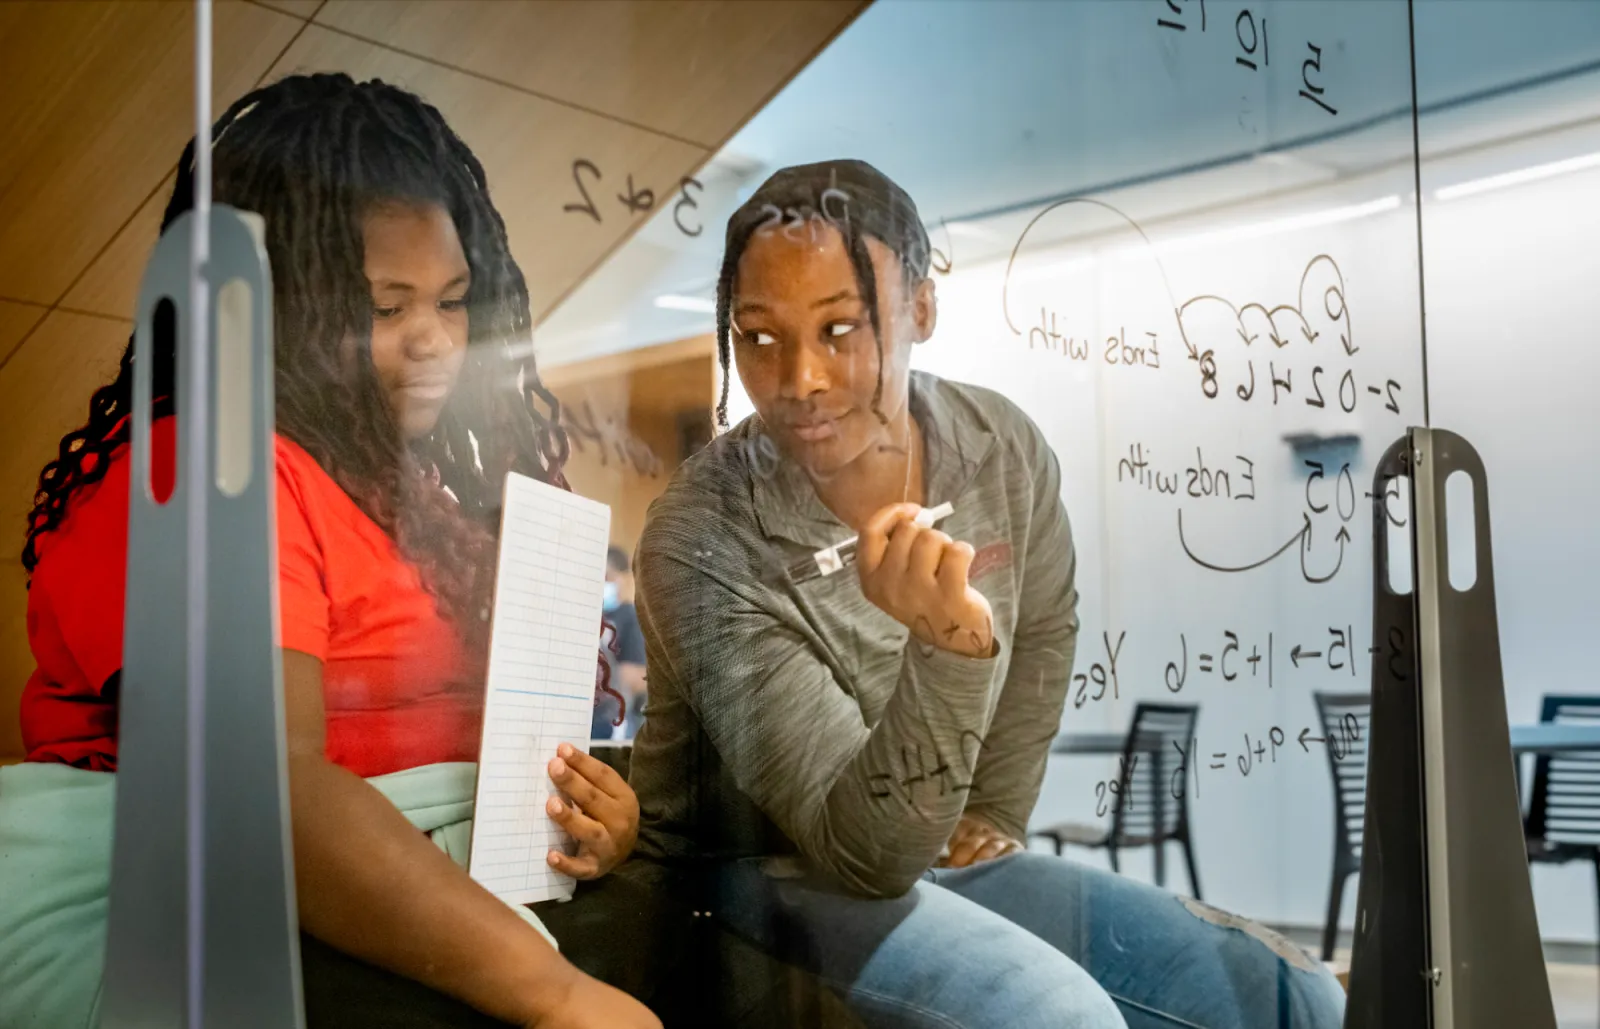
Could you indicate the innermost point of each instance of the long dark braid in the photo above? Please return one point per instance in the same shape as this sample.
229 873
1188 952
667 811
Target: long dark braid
312 154
856 199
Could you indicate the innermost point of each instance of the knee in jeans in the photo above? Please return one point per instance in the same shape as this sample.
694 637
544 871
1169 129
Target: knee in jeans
1075 1004
1317 998
1314 995
1035 1009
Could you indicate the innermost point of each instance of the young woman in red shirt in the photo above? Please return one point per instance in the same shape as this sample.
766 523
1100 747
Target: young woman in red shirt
406 390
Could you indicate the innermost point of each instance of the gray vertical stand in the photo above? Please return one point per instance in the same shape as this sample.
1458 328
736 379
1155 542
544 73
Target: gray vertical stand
248 968
1446 935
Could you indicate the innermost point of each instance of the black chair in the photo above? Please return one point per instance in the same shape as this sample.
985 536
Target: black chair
1346 719
1563 822
618 755
1150 809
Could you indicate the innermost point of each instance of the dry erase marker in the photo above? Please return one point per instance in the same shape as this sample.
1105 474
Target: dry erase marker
831 559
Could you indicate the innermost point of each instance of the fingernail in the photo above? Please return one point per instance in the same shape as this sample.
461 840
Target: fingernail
565 750
558 767
550 858
553 805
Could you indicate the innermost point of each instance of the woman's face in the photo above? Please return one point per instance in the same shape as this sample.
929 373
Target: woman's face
419 278
805 349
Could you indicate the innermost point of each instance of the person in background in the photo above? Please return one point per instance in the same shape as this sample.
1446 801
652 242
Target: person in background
405 392
854 757
624 654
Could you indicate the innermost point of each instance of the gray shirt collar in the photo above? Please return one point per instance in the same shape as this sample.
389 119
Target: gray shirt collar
957 441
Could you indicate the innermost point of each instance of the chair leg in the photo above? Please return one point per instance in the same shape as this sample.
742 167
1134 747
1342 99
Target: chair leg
1111 852
1194 874
1330 931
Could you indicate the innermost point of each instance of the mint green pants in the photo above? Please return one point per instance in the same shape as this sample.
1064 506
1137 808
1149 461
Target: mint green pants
55 877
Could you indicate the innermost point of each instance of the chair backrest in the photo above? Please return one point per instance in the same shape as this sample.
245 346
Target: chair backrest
1565 806
1154 800
1346 721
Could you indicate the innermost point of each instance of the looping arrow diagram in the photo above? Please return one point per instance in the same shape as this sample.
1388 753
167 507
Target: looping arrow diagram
1303 537
1342 536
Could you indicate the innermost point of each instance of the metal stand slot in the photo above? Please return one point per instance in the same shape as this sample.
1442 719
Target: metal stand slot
249 970
1446 935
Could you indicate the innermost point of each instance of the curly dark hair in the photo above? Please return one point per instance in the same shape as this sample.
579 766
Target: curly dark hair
312 154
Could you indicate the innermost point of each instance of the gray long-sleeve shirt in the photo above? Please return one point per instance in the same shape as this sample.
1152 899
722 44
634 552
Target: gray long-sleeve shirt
803 707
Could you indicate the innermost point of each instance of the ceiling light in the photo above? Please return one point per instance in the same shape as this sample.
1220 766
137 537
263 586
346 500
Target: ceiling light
1518 177
675 302
1257 230
971 230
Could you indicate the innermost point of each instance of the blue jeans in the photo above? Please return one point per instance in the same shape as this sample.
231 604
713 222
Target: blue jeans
1030 940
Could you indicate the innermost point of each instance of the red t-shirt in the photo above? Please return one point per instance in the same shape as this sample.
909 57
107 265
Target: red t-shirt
399 689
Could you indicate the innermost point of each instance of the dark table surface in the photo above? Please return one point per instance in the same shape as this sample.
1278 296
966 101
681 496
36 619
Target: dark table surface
1096 743
1554 738
1542 738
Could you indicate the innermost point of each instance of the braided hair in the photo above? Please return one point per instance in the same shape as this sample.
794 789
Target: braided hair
853 197
313 154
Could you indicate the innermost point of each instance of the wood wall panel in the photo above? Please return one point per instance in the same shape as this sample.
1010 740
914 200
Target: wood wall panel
16 660
527 146
111 284
95 107
15 322
44 394
299 8
695 69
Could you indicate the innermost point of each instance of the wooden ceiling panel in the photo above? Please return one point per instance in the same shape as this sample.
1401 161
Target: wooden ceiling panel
527 146
695 69
44 394
15 321
111 285
299 8
95 107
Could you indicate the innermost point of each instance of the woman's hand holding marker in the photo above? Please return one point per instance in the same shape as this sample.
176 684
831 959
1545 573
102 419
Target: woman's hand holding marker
918 576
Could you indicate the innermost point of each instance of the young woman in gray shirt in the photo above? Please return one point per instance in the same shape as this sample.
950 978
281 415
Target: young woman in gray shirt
854 756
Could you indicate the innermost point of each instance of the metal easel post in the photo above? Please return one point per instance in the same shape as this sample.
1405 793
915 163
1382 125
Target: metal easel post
247 972
1446 934
201 924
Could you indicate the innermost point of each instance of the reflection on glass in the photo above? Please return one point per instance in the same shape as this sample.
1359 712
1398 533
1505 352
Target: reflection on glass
986 404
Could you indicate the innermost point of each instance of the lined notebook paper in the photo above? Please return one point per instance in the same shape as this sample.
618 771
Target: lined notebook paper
543 649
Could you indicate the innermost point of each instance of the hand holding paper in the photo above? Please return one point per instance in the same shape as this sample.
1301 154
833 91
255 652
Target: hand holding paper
601 814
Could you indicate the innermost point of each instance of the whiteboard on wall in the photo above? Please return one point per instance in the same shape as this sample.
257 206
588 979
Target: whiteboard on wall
1219 341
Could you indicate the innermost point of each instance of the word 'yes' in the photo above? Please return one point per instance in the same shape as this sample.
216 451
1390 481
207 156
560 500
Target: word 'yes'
1102 675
